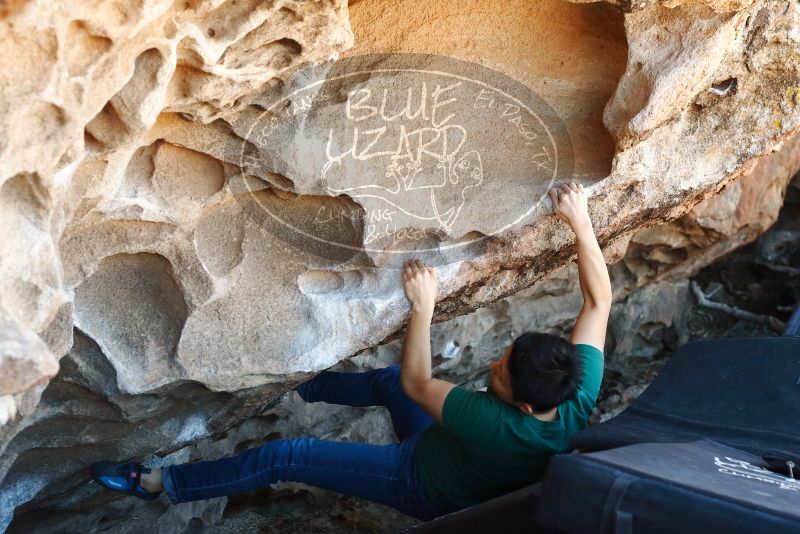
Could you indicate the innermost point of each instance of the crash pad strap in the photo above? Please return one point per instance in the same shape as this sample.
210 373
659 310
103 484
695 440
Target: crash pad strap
614 520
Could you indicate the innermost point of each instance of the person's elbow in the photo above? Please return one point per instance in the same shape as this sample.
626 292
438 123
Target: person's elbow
601 301
605 299
414 388
601 294
410 386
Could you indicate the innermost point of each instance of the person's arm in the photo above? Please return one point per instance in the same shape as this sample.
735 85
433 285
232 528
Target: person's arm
419 283
570 204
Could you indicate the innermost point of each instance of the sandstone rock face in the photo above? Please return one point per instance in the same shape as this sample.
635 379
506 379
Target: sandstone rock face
742 211
719 6
160 212
83 89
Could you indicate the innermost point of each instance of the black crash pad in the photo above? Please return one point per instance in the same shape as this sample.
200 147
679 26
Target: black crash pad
742 392
508 514
662 488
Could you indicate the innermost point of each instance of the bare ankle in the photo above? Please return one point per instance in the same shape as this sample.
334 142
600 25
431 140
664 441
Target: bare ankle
152 481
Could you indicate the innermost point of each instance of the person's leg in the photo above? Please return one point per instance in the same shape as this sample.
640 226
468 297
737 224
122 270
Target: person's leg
373 472
379 387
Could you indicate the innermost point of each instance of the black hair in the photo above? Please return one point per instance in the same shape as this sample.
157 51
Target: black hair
545 370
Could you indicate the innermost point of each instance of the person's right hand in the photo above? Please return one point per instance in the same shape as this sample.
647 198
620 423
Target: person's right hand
420 284
570 203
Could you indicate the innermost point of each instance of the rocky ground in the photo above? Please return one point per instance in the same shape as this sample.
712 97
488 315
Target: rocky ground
762 277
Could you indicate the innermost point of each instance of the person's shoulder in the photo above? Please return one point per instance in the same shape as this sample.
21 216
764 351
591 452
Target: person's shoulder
585 398
472 415
460 395
575 415
486 394
488 404
479 396
584 349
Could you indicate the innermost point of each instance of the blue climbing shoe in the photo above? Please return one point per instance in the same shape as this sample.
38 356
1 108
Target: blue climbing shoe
122 477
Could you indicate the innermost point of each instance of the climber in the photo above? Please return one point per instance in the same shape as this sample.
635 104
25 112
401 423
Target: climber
456 447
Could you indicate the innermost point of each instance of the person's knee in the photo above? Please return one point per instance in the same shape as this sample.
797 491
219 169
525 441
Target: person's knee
288 459
272 457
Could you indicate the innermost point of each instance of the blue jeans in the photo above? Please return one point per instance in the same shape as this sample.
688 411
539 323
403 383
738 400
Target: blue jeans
386 474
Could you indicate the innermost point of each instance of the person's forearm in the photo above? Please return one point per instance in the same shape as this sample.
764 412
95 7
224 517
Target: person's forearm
415 367
592 270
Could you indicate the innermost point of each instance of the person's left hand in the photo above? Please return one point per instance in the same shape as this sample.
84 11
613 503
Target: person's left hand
420 284
570 203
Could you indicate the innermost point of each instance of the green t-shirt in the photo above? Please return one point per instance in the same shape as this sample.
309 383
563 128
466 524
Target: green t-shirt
486 447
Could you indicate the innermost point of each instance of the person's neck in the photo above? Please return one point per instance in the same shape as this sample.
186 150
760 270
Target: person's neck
550 415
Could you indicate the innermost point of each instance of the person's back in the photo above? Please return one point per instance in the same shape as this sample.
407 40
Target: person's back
541 392
486 447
